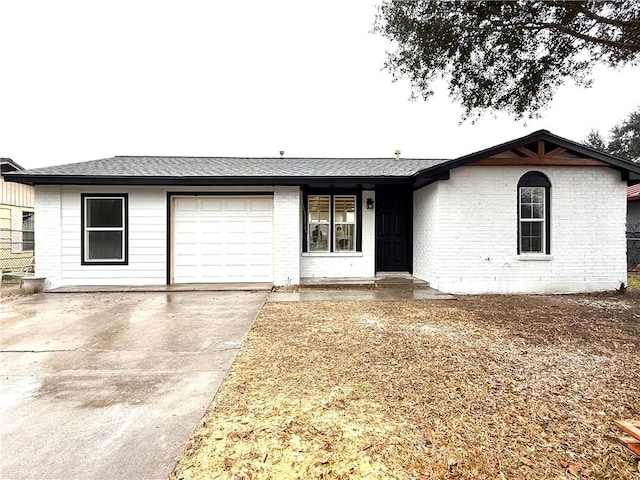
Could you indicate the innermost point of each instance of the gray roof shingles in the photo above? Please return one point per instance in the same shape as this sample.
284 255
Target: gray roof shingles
148 166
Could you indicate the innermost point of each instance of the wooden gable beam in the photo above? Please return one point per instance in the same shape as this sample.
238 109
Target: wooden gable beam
524 152
526 156
554 152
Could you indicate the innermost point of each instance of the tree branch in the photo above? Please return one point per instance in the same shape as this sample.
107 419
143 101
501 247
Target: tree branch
576 6
634 47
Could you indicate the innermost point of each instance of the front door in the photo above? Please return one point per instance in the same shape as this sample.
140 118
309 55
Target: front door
394 214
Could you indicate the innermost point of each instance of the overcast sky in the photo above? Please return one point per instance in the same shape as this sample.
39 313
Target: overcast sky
84 79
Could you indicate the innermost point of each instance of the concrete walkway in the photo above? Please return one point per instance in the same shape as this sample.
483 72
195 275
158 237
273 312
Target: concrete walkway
111 385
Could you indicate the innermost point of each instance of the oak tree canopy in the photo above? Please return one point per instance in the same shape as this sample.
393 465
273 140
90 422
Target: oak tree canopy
623 140
506 55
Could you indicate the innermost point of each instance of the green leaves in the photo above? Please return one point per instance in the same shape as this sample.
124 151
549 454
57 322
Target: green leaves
624 138
506 55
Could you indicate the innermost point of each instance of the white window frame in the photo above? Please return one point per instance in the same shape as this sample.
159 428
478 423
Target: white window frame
542 220
337 224
86 229
312 224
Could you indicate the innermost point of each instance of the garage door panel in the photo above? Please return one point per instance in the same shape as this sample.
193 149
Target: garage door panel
186 205
219 239
211 205
260 204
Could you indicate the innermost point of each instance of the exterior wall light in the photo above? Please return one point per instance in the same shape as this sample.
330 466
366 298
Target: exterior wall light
369 203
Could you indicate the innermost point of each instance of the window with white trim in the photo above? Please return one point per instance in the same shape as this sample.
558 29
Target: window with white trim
104 229
319 211
533 214
331 223
344 222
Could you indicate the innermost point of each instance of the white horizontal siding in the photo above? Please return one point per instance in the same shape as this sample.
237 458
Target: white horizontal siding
60 259
147 235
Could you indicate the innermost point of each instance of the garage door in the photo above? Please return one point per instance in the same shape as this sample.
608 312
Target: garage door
223 239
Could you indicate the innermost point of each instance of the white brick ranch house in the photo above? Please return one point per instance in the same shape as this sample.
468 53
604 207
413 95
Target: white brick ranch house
536 214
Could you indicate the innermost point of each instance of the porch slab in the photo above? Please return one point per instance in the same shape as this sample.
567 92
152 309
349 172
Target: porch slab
381 280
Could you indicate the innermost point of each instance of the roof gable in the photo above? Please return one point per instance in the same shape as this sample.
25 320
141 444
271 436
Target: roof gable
540 148
8 165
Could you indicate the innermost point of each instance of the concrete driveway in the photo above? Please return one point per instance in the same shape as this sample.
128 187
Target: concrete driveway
111 385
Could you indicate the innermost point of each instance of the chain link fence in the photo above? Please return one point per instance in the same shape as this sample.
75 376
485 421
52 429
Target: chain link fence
633 246
17 249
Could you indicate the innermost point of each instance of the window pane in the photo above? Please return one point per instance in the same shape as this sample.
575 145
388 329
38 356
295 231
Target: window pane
525 195
538 210
104 212
536 244
105 246
525 211
537 195
526 244
536 229
319 206
318 238
344 209
345 237
27 231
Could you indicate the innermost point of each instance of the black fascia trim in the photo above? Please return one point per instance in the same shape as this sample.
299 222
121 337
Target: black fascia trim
331 192
428 180
125 197
197 181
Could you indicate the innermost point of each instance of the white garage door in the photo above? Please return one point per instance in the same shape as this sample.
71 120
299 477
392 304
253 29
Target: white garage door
223 239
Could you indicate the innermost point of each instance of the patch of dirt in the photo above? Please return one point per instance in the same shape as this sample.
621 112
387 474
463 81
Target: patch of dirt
486 387
10 292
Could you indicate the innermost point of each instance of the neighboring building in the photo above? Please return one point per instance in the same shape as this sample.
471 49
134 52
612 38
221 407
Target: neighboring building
633 226
16 220
536 214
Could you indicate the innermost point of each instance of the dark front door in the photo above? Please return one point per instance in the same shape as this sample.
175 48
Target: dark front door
393 229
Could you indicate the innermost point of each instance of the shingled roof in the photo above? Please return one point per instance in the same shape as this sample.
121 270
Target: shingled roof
128 166
238 170
163 170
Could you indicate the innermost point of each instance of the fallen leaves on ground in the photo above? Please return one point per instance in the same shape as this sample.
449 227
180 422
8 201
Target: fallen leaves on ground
484 387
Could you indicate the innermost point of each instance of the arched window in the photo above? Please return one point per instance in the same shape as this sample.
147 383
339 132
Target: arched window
534 221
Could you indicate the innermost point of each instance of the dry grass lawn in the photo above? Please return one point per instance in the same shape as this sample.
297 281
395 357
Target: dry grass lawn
487 387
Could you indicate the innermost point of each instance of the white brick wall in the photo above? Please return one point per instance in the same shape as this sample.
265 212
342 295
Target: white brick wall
47 233
287 235
356 264
465 232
